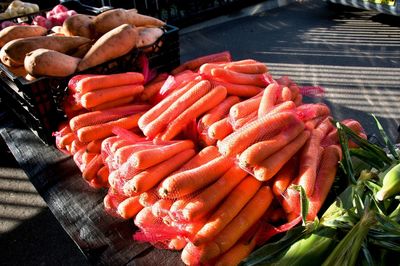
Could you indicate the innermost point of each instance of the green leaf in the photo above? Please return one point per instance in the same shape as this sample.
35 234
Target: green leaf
386 139
304 202
346 161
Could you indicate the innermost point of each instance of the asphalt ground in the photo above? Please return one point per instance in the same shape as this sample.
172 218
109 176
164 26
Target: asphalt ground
354 55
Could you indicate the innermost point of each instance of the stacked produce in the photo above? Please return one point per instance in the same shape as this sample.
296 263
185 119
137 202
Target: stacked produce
78 42
219 156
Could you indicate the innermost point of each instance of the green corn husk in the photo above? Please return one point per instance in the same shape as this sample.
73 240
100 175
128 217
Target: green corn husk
348 249
390 184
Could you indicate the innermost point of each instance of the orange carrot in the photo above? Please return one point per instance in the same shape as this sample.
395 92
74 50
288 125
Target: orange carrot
220 129
145 218
150 177
258 130
281 107
113 104
313 110
245 108
177 107
184 183
204 140
106 81
209 198
89 133
314 122
238 123
123 154
218 112
151 89
87 157
205 69
161 207
284 177
76 145
205 103
286 95
148 198
147 158
245 219
94 146
248 68
177 243
298 99
160 107
102 96
268 99
238 89
194 64
326 175
228 210
102 176
270 166
92 168
119 144
202 157
258 152
239 78
66 140
99 117
129 207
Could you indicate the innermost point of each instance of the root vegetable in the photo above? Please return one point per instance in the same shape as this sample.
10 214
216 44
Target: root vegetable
20 31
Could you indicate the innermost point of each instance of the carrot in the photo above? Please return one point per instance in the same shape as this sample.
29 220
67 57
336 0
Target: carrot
145 218
129 207
238 123
284 177
259 151
281 107
148 178
184 183
205 103
246 107
151 89
220 129
204 140
202 157
89 133
113 104
92 168
102 96
94 146
268 99
102 176
314 122
148 198
244 220
209 198
147 158
247 68
239 78
205 69
160 107
326 175
218 112
270 166
87 157
66 140
76 145
119 144
194 64
175 211
177 243
107 144
309 160
286 95
313 110
99 117
123 154
177 107
228 210
238 89
239 251
298 99
258 130
97 82
161 207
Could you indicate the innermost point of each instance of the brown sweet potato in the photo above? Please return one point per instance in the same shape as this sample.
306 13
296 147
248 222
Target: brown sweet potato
79 25
13 53
148 36
45 62
116 17
113 44
20 31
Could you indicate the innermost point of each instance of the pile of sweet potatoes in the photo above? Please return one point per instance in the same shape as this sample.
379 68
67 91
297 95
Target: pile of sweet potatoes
82 42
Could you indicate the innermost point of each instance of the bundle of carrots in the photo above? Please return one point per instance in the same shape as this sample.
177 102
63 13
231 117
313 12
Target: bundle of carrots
220 193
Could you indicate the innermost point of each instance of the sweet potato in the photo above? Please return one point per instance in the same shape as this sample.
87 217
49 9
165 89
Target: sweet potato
148 36
113 18
13 53
79 25
44 62
113 44
20 31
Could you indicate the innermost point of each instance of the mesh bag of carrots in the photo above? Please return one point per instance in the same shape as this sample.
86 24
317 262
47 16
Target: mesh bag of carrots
211 159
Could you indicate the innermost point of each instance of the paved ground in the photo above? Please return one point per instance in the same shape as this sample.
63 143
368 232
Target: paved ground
354 55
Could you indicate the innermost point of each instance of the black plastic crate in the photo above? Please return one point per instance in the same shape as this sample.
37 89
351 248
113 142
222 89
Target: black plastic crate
38 103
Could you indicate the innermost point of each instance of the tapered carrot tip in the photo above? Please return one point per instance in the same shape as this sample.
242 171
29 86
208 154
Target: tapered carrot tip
197 255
